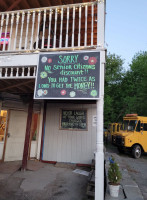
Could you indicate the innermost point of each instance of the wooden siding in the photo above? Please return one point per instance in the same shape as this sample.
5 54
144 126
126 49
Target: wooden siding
65 145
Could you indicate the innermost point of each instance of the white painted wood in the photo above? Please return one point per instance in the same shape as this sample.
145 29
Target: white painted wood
100 23
61 28
1 149
16 129
22 25
73 27
43 34
49 29
19 60
79 33
6 28
11 29
86 14
55 27
66 145
99 156
33 151
67 27
33 22
16 31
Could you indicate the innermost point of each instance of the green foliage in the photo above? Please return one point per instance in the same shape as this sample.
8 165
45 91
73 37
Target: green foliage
113 78
125 92
114 174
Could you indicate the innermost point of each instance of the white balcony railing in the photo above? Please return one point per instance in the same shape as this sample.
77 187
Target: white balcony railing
17 72
50 28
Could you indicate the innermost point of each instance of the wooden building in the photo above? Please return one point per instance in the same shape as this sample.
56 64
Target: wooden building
50 127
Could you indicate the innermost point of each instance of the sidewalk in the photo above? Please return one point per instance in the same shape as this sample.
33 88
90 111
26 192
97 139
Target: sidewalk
129 190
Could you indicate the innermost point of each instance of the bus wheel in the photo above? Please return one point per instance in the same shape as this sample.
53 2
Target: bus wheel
136 151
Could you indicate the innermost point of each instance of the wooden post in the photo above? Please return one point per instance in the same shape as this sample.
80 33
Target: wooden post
27 137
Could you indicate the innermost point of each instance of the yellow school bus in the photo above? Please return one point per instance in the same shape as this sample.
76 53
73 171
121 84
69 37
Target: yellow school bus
113 128
133 135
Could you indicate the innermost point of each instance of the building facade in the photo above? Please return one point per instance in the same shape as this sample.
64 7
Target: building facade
48 114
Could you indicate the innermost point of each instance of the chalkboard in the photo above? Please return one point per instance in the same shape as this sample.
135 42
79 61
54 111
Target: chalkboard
73 119
68 76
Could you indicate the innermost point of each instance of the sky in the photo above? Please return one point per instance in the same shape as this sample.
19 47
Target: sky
126 28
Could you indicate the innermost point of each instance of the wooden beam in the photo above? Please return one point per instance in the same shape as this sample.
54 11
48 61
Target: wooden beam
27 137
43 127
17 85
3 3
14 4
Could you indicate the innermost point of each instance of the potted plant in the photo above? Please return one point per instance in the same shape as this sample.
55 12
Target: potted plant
114 176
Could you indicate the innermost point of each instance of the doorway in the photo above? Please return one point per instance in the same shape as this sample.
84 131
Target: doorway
3 125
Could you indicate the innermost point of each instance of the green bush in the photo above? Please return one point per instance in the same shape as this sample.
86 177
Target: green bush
114 174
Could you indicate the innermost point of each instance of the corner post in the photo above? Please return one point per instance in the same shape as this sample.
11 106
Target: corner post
99 155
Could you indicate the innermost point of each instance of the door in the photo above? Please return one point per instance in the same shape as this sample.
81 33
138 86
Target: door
15 135
3 122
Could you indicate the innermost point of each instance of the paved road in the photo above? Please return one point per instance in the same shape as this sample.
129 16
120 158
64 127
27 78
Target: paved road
137 168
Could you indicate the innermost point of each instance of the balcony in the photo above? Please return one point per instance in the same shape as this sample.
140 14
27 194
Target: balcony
65 27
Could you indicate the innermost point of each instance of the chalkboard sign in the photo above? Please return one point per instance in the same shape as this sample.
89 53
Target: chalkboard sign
73 119
68 75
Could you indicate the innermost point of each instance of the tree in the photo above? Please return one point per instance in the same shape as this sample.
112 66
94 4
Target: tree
113 78
135 85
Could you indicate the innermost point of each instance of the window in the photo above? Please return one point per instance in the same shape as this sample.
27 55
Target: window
145 127
138 127
73 119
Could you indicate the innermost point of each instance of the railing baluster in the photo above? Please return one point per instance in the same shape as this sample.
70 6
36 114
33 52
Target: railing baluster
73 27
7 21
44 21
86 13
22 24
27 29
49 29
61 28
55 28
28 72
6 70
79 34
34 74
22 71
67 27
38 30
92 15
33 22
12 20
17 69
2 22
16 31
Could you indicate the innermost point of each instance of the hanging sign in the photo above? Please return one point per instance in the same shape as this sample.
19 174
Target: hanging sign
68 76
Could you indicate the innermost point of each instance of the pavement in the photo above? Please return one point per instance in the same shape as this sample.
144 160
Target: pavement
41 182
129 189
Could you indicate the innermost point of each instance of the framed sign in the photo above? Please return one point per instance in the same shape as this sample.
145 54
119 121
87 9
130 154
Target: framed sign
73 119
68 75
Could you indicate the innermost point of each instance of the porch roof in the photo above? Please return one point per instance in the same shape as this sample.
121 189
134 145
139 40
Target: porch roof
9 5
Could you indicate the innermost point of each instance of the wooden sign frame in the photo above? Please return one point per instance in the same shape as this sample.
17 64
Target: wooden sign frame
73 129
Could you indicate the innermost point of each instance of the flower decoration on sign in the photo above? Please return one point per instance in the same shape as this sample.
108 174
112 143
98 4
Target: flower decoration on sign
43 74
92 60
49 60
63 92
40 92
93 93
86 57
45 92
72 94
43 59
